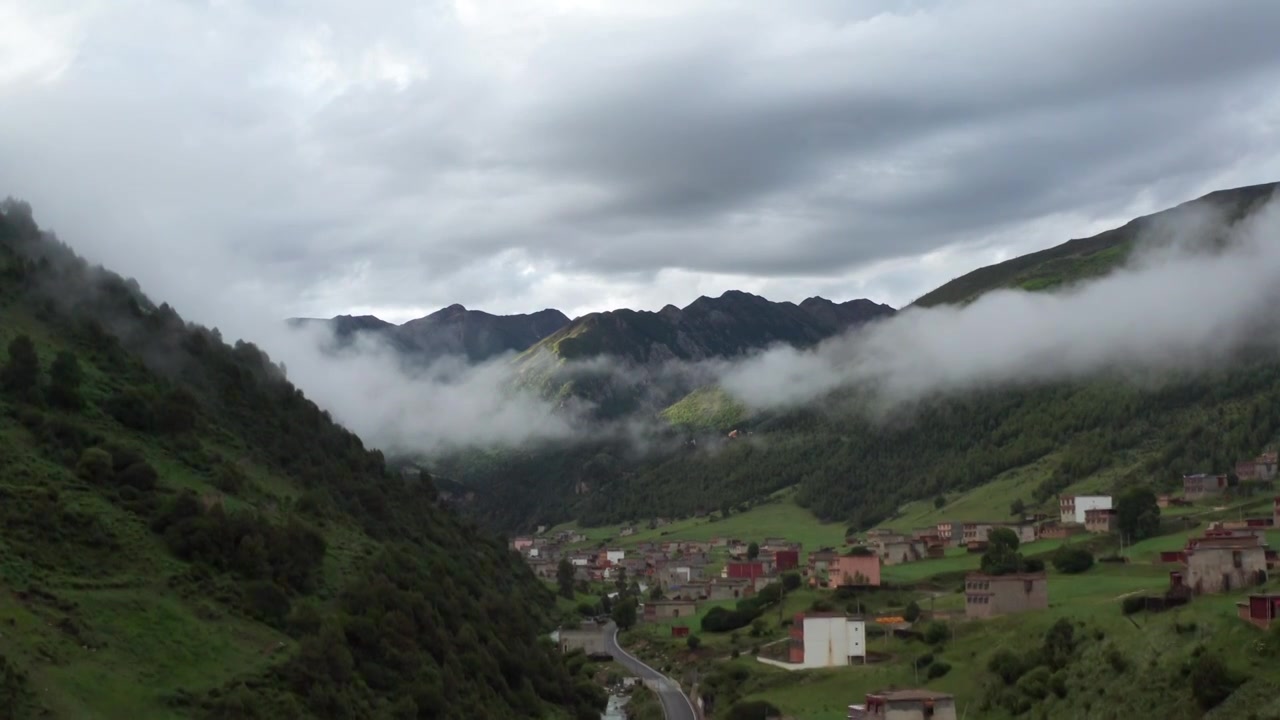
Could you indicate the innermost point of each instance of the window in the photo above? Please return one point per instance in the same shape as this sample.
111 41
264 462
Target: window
1237 559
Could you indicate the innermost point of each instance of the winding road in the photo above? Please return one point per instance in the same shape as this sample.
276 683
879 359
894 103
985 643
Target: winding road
675 704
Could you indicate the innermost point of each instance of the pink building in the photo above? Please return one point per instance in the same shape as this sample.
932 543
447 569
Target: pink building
853 570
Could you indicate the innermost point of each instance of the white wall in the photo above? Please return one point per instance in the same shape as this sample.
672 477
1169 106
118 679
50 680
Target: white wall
830 642
616 555
1090 502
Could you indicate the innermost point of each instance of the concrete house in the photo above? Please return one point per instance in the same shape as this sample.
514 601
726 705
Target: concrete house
905 705
1203 485
823 640
989 596
852 570
899 549
1100 520
1072 508
587 637
1222 564
667 609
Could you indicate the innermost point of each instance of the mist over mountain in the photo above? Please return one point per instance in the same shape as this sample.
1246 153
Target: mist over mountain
451 331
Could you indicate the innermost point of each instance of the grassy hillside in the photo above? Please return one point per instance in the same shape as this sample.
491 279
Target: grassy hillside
184 534
1084 258
708 408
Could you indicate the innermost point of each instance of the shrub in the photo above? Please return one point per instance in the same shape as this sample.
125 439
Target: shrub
139 475
791 581
719 620
1072 560
936 633
1007 665
1133 604
693 641
1211 681
95 466
1117 660
924 660
1035 684
938 669
912 612
753 710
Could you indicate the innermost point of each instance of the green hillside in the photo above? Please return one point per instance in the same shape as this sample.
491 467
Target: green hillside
1085 258
183 534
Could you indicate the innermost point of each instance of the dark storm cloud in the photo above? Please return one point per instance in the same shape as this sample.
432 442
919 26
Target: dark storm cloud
399 156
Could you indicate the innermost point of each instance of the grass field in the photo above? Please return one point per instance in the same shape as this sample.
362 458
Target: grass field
779 516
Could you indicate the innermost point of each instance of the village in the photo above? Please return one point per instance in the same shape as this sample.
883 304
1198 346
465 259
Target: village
678 579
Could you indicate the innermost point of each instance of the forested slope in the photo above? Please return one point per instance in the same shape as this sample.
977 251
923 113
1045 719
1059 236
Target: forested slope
184 534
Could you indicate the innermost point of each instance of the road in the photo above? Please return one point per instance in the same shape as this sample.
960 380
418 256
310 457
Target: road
675 704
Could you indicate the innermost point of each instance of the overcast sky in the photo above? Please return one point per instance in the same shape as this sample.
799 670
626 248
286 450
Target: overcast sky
312 157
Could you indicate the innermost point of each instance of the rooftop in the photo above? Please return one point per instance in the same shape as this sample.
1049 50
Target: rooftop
912 694
1010 576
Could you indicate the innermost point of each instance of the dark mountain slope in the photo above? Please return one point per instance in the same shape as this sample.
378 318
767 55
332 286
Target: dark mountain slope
1085 258
732 324
184 534
454 330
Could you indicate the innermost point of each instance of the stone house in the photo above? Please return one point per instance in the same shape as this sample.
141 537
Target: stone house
1203 485
993 595
729 589
667 609
1100 520
905 705
1222 564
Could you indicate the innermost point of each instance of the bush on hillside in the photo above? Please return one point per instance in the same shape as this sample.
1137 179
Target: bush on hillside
1211 681
938 669
753 710
1133 604
1072 560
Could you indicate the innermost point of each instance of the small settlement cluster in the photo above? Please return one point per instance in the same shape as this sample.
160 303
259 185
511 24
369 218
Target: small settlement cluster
1230 555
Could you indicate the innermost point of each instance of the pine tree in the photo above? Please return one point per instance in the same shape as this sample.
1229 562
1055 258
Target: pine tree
20 376
65 380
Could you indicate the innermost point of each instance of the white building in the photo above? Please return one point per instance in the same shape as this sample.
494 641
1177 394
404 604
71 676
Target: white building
820 640
614 556
1074 507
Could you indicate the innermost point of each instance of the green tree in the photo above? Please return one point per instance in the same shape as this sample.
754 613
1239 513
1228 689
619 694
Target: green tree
1001 556
939 502
791 581
65 379
693 641
912 612
621 581
1138 514
20 376
1017 508
655 592
624 613
564 578
753 551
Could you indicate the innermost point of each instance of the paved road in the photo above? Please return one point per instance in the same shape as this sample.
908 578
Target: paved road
675 705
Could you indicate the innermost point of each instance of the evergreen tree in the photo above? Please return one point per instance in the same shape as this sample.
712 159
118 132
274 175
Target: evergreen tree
564 578
65 379
20 376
